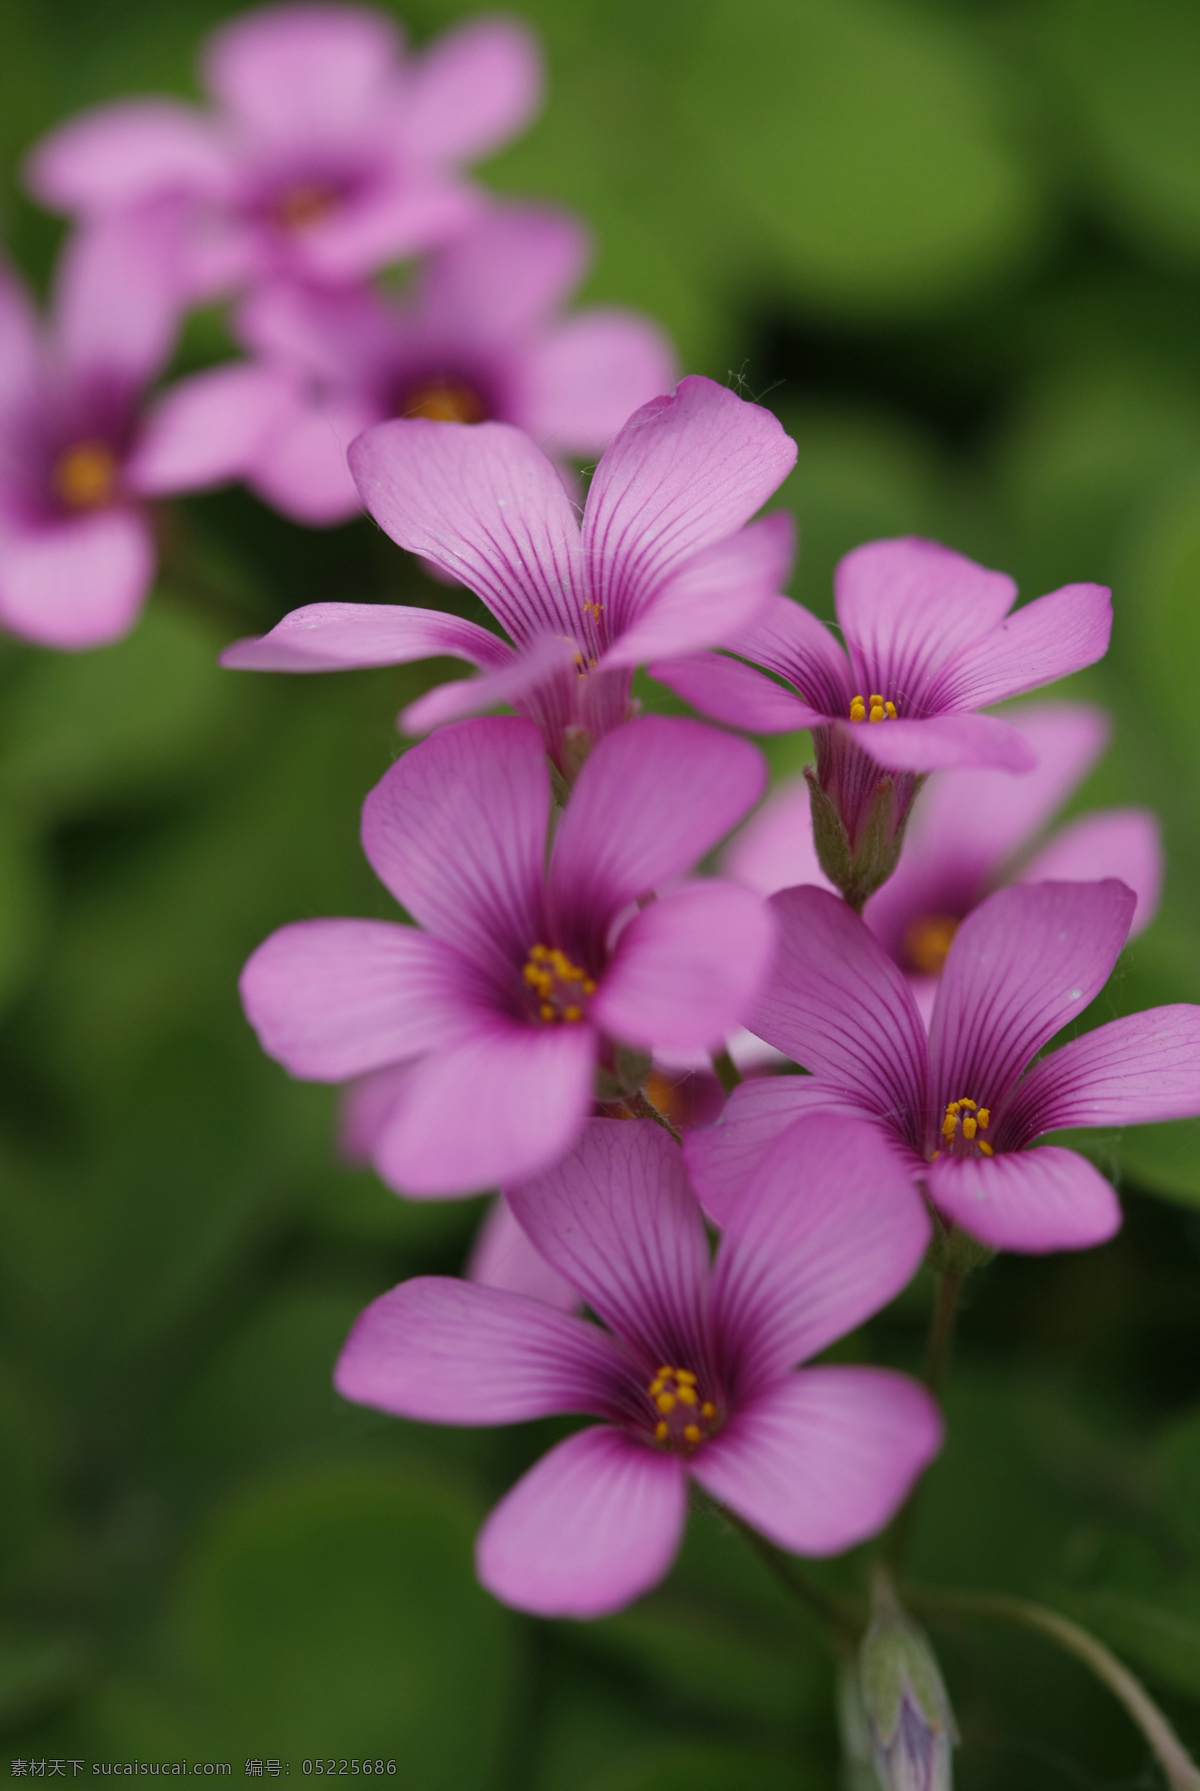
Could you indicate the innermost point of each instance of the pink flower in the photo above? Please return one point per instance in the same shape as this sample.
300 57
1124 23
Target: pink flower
522 975
971 832
329 152
694 1375
81 452
928 641
662 564
479 338
962 1104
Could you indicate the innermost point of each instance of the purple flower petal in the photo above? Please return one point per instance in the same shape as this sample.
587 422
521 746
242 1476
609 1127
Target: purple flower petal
117 297
79 583
504 276
458 1353
472 89
653 797
111 157
829 1229
713 596
303 69
734 693
301 468
387 220
366 1107
775 849
584 377
687 969
502 1256
1118 842
333 998
724 1159
506 1103
592 1526
1048 639
906 607
685 471
487 507
333 637
207 429
1130 1072
524 677
823 1461
1030 1200
838 1005
618 1220
456 829
788 639
1025 962
945 742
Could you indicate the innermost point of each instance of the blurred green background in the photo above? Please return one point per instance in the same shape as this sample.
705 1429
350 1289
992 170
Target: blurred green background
956 245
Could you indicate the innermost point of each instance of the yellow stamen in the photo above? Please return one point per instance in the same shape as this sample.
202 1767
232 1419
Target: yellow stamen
306 205
708 1409
665 1403
85 475
927 942
858 709
876 712
890 709
968 1127
559 984
687 1395
966 1103
685 1374
986 1148
443 400
546 1011
983 1116
662 1431
949 1126
692 1433
973 1118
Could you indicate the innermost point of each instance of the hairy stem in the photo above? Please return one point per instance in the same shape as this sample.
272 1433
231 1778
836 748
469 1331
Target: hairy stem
640 1106
1180 1770
727 1072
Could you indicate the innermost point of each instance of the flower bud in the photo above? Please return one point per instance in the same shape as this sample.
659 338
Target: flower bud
907 1710
859 813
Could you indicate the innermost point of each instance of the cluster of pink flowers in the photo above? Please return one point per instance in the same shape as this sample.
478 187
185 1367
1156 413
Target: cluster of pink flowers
328 153
564 941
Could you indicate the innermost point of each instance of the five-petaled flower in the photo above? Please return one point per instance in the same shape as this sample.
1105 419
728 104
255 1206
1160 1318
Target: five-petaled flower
480 337
662 564
695 1373
971 832
962 1104
929 641
81 452
329 154
524 973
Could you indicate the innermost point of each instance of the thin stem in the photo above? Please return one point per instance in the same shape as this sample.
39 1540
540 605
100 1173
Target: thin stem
641 1107
938 1341
727 1072
1181 1771
838 1617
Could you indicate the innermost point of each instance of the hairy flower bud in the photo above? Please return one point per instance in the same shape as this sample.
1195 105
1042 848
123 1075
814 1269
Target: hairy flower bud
907 1709
859 813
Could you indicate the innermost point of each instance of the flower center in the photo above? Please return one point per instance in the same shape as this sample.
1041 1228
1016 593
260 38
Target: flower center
85 475
683 1420
561 987
872 709
963 1122
306 204
927 942
445 401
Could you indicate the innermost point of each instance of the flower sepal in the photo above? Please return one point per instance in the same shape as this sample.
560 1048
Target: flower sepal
905 1701
625 1074
953 1251
858 866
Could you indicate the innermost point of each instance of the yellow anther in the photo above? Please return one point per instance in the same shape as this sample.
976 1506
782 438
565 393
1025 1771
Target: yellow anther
708 1409
539 951
663 1373
85 475
572 1013
935 1156
984 1117
685 1374
656 1387
662 1431
973 1118
968 1127
692 1434
687 1395
876 700
890 709
965 1103
858 709
665 1403
588 986
986 1148
876 712
442 400
949 1126
546 1011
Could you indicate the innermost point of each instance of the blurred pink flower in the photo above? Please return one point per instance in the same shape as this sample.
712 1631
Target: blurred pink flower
962 1103
480 338
81 450
329 152
928 641
662 564
971 832
521 974
695 1375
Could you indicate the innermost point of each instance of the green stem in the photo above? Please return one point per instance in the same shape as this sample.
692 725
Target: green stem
1181 1771
727 1072
938 1343
838 1617
641 1107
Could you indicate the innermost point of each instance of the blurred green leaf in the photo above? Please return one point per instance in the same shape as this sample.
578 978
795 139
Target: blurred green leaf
867 142
24 900
701 1766
1179 1469
1158 1639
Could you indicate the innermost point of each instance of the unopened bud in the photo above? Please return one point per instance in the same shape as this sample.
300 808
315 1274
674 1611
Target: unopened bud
905 1702
859 813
